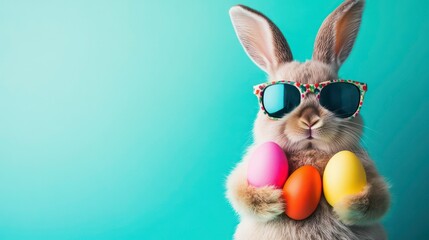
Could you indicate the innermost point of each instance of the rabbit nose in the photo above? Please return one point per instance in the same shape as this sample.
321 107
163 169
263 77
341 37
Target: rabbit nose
309 116
310 123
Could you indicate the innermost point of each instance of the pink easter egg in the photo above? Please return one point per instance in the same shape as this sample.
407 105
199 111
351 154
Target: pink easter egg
268 166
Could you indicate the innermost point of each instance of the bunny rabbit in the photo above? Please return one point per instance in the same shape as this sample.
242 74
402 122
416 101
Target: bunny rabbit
261 210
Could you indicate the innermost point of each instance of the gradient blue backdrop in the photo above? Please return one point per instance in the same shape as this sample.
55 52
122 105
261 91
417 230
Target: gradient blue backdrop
121 119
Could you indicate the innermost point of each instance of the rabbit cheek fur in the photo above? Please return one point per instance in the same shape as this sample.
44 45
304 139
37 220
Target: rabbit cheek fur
261 210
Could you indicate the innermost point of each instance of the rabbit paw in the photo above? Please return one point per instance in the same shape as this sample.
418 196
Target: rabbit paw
265 203
353 209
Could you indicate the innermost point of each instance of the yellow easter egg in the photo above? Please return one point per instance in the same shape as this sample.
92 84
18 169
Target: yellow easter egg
344 175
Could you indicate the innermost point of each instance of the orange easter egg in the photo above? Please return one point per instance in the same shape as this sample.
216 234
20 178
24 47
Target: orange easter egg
302 192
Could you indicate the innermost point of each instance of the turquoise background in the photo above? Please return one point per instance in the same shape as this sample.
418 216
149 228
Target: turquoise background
121 119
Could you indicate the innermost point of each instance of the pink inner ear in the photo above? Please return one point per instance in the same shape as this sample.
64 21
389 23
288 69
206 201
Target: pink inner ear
259 42
338 32
346 31
261 39
341 32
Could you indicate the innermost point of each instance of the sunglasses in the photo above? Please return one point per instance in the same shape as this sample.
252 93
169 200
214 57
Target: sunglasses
342 97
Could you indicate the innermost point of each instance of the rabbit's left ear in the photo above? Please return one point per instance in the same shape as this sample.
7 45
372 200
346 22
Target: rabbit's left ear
260 37
338 32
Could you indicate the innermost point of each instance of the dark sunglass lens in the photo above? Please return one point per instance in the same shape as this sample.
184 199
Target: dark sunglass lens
280 99
340 98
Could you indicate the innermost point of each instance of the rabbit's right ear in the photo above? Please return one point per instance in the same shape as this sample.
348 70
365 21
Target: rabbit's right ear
338 32
261 39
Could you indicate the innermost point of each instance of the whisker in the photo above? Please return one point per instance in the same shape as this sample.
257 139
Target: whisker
361 125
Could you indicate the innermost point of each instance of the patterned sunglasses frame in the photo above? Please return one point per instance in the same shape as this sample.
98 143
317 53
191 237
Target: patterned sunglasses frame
305 88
